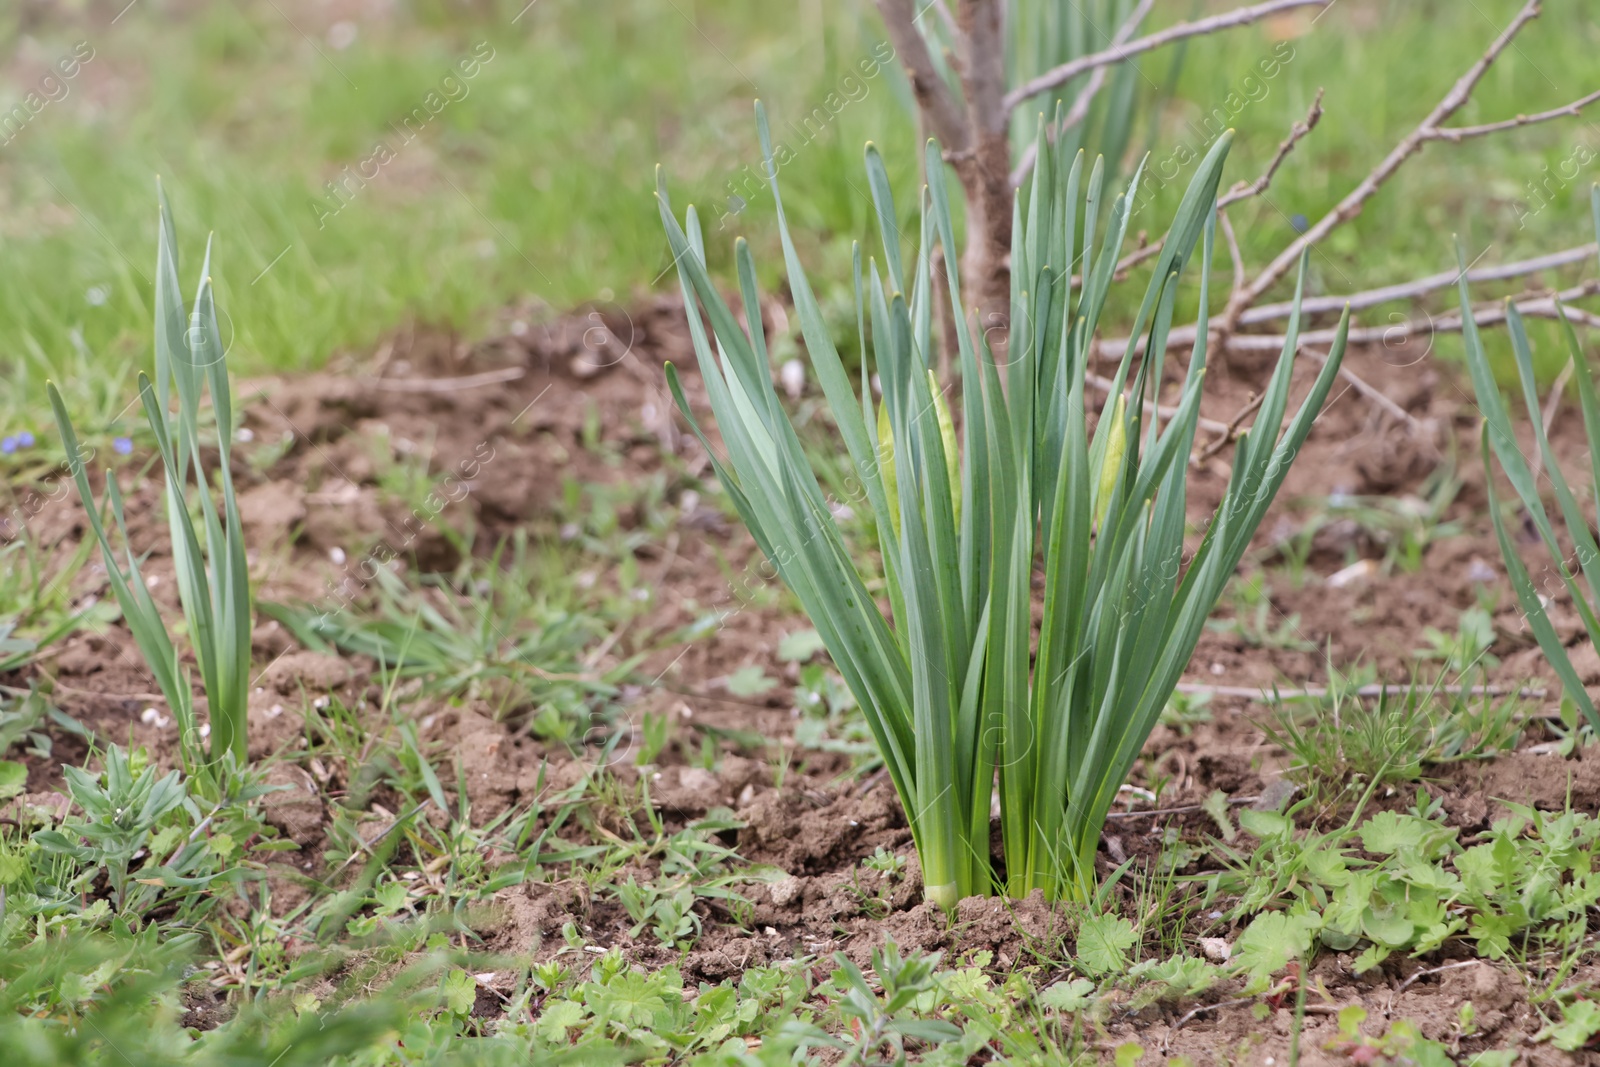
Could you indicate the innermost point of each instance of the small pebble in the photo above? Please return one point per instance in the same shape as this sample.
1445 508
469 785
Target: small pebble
793 376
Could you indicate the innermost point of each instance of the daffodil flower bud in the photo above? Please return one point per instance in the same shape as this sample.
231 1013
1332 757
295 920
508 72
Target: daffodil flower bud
1116 446
886 466
947 435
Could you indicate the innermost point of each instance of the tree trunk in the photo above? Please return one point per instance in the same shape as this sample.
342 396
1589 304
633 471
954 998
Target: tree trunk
974 135
986 259
985 170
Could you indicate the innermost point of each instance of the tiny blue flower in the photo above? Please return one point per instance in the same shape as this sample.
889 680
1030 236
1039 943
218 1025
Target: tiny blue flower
123 446
25 439
8 445
1299 223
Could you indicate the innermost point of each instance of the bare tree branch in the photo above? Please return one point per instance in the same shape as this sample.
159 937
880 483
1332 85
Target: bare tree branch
1366 692
1297 131
1230 432
1410 290
1118 53
1321 305
1351 205
1457 134
1080 106
1536 306
1128 262
941 111
1134 258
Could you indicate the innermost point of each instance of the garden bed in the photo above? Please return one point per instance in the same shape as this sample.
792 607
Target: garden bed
431 451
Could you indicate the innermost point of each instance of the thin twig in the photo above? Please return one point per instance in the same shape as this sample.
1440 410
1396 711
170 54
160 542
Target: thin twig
1411 290
1457 134
1365 692
1296 132
1371 392
1231 430
143 698
1196 1012
1555 396
1125 264
1186 809
1080 106
1165 412
366 846
1541 306
1403 986
1319 305
1134 258
1351 205
1083 64
1530 305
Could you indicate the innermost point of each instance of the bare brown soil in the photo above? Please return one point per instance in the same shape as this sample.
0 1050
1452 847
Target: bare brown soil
513 420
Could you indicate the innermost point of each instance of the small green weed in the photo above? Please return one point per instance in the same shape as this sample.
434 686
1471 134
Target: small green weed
1402 527
140 843
1345 739
1467 648
507 630
1185 711
1404 882
1256 620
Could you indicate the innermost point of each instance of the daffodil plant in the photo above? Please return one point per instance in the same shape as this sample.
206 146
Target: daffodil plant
960 695
213 579
1500 440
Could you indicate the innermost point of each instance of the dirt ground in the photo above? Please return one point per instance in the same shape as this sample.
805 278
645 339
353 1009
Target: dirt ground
514 419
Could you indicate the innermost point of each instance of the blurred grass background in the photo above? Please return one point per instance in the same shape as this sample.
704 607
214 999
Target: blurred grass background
534 179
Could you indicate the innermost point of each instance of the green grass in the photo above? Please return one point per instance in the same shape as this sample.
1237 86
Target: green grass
537 182
1342 739
510 631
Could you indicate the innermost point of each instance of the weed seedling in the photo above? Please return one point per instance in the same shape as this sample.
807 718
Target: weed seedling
1257 622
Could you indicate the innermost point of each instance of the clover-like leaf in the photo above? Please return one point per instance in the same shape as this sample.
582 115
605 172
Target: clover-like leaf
1103 943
